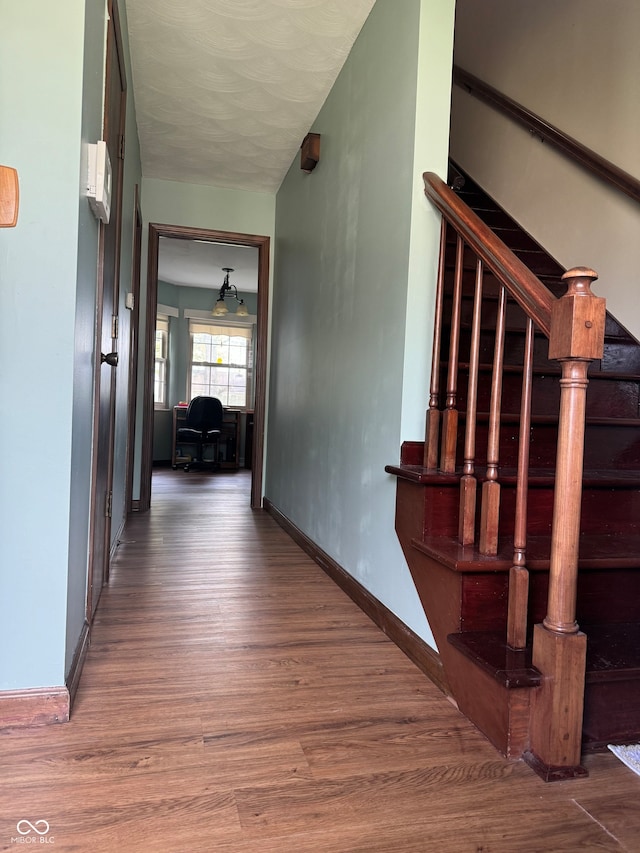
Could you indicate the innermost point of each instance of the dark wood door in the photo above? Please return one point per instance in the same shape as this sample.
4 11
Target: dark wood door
107 322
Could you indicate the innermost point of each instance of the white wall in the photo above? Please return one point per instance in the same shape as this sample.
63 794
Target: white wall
431 144
350 269
577 65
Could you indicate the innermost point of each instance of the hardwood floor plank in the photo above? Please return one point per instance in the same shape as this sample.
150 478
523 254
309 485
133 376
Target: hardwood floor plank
614 810
234 699
431 802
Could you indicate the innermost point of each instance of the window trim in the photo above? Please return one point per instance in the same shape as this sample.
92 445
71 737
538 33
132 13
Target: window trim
162 325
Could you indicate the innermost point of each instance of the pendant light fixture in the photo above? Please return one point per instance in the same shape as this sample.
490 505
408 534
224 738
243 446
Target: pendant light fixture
230 291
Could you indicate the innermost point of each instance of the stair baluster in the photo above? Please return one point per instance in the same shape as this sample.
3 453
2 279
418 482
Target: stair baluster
490 511
450 416
519 574
433 413
468 482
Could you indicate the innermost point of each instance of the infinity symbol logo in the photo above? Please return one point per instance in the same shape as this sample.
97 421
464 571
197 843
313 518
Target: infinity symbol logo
32 827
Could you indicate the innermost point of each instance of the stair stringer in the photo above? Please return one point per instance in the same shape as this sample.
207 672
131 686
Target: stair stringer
500 712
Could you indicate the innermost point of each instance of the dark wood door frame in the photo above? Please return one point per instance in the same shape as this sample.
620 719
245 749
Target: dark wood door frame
107 299
262 244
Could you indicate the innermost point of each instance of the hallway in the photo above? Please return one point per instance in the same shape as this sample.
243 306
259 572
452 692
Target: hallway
235 700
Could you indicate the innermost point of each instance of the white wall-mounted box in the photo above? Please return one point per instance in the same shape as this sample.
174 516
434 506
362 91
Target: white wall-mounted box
99 180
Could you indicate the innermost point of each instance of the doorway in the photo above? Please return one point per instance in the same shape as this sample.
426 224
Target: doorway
262 244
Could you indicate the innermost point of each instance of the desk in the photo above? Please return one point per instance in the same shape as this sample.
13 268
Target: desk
228 444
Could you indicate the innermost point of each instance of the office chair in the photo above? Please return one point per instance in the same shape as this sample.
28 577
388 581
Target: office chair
203 425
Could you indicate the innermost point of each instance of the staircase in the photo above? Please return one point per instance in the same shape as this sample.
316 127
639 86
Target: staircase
475 506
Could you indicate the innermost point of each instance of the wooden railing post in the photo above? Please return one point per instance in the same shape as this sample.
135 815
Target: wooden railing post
559 647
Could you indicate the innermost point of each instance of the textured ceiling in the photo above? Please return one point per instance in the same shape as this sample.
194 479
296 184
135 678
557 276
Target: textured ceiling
226 90
200 264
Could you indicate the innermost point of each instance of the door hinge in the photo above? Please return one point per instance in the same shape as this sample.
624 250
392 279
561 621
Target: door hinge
121 147
108 505
114 326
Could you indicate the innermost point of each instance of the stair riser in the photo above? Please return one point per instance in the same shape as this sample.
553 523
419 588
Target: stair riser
620 354
611 511
611 714
513 349
603 511
513 237
605 398
602 597
538 262
621 357
606 446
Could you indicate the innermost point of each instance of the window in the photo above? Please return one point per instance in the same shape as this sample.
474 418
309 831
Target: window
221 362
160 394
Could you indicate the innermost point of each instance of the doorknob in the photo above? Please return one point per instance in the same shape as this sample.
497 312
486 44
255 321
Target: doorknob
111 358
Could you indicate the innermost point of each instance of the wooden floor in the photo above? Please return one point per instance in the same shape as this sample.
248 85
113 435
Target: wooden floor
235 700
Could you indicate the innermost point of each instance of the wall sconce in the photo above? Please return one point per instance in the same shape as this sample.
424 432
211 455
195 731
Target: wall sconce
310 152
231 291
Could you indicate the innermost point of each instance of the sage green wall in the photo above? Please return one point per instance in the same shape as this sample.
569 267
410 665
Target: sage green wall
51 90
40 132
587 84
196 206
352 261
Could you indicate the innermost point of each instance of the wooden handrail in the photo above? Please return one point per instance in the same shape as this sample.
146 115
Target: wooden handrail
587 158
528 291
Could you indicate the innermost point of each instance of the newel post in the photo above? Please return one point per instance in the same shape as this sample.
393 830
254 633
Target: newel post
559 647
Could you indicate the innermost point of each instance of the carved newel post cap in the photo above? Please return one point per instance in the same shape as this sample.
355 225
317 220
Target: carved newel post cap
579 279
577 319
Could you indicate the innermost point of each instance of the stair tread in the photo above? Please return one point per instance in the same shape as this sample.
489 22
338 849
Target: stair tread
597 551
420 474
591 478
613 654
489 651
